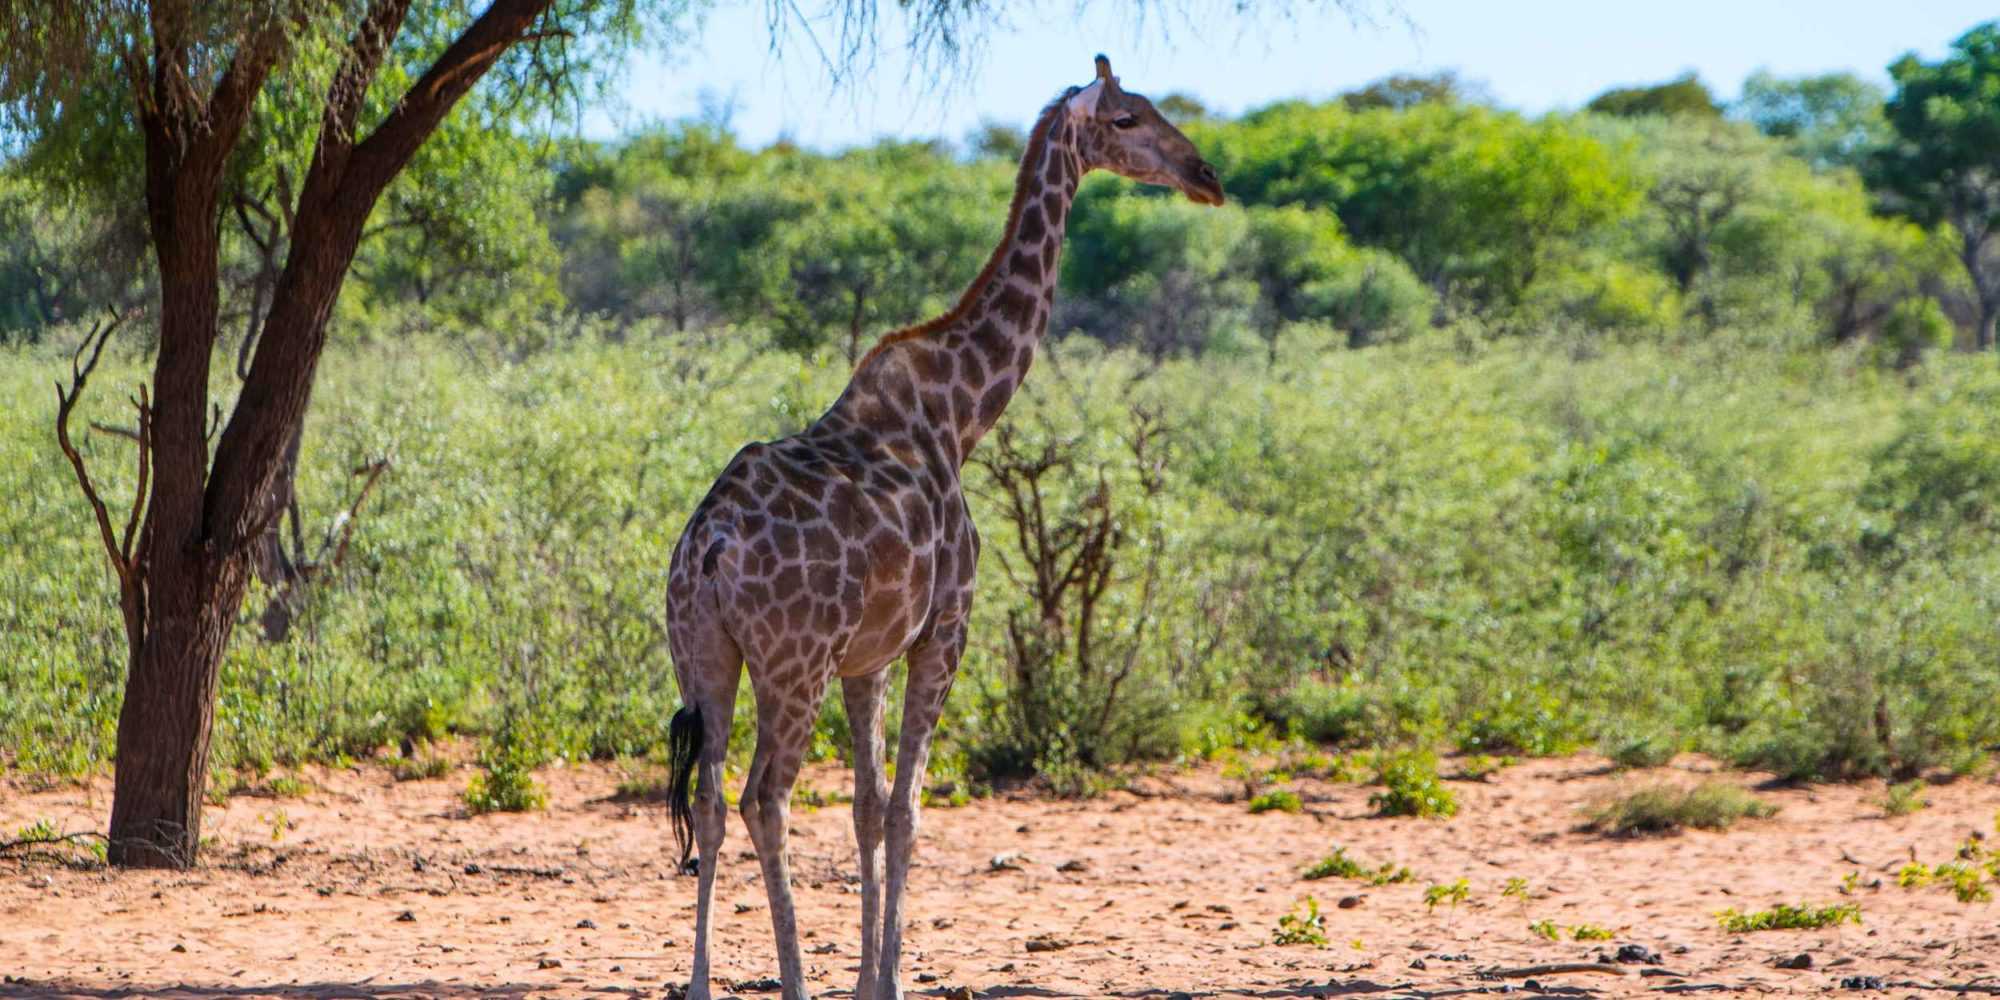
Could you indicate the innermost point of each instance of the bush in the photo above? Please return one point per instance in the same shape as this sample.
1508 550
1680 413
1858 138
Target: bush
1711 805
1411 786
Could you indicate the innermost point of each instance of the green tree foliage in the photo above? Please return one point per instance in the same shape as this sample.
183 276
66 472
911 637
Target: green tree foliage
1831 120
1477 202
1941 168
61 258
1402 91
1682 96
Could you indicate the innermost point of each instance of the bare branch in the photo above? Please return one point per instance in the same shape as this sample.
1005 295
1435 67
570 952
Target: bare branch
80 372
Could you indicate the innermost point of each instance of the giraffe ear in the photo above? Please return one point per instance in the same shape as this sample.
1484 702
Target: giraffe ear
1083 104
1104 74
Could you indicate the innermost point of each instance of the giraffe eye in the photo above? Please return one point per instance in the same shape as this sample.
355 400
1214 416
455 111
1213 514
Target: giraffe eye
1125 121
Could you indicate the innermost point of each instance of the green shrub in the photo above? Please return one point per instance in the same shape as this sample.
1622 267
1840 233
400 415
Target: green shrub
1411 786
1904 799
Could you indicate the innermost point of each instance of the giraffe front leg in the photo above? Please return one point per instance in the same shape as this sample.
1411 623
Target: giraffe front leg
865 699
933 664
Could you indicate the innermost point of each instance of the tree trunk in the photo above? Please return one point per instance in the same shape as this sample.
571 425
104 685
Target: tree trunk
169 710
203 519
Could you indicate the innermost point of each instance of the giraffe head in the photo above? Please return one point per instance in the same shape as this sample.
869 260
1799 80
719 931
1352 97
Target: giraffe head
1122 132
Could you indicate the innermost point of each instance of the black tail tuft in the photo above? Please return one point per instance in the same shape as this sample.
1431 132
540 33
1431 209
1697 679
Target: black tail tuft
683 751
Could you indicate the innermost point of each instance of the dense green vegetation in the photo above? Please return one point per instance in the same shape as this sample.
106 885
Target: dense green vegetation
1637 428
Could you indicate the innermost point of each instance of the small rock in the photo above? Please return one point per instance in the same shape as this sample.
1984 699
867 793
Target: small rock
548 963
1023 828
1863 983
473 869
940 923
827 948
745 907
925 977
180 948
1802 960
1006 861
1008 967
1350 902
624 926
1637 954
586 925
1217 908
1044 942
1226 925
617 968
1418 963
1072 866
757 986
962 993
1180 996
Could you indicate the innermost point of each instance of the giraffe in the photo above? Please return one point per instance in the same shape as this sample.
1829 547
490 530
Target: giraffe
835 551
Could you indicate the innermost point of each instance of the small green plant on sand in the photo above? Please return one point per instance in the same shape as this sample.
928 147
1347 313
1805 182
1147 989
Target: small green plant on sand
1546 929
1904 799
1304 925
1278 800
507 782
1589 932
1785 916
41 831
1410 786
1338 864
1711 805
1454 893
1516 888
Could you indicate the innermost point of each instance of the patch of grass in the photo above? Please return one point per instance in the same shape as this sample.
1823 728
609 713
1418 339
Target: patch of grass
1304 925
1338 864
1589 932
1711 805
1278 800
504 789
1904 799
420 768
1516 888
1546 929
1410 786
1785 916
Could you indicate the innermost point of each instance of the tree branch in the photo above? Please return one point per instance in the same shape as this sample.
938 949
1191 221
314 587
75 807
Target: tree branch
80 372
379 157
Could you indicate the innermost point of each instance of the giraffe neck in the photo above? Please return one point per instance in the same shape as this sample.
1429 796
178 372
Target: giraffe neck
951 378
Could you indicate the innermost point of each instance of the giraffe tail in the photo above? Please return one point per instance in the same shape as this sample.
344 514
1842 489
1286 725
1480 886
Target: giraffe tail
683 752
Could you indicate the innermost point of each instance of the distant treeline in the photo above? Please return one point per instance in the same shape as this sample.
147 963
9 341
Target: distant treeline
1810 208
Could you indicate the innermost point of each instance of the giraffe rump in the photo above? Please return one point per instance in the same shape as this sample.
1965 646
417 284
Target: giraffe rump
683 751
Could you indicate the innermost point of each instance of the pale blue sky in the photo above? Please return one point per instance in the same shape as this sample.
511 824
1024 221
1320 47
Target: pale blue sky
1534 55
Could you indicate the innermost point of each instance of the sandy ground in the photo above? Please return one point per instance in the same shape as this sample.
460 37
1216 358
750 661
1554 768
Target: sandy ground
371 888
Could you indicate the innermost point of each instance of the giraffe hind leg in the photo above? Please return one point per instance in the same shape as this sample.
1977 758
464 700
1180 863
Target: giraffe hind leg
707 665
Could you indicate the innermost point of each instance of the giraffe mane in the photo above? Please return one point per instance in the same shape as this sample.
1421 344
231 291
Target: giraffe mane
1038 141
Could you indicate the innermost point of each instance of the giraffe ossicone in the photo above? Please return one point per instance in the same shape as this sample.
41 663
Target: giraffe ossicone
835 551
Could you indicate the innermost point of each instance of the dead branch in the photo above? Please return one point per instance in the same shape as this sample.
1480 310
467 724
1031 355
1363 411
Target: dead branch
66 399
343 525
1555 968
